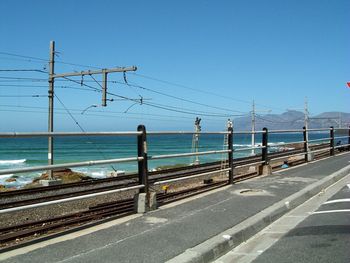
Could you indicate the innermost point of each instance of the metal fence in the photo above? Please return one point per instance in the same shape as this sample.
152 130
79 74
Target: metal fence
142 157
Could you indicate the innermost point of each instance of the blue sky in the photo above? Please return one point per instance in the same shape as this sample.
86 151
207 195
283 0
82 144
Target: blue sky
222 55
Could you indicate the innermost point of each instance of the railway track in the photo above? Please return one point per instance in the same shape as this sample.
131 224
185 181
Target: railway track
12 235
119 182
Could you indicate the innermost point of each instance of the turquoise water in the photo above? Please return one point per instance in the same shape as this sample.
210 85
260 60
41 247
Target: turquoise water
23 152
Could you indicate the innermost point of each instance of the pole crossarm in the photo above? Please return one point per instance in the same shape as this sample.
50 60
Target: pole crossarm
92 72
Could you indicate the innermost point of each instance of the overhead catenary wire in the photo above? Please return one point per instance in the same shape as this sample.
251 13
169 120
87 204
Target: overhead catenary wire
22 96
201 91
46 60
177 98
80 127
158 106
110 113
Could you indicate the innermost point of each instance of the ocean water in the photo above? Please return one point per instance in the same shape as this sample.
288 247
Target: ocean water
24 152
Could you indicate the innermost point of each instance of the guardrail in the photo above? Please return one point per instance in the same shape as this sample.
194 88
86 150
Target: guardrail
143 158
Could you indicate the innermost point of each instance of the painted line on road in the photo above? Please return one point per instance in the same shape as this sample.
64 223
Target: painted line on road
337 201
331 211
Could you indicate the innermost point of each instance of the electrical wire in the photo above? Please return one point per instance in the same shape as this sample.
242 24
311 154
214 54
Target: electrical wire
198 90
81 128
22 96
178 98
90 113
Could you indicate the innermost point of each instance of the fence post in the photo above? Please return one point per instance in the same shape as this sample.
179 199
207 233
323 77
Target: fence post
265 168
264 145
332 141
144 201
306 146
349 139
142 152
230 154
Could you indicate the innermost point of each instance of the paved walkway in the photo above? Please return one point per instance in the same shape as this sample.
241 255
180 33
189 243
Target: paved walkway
168 233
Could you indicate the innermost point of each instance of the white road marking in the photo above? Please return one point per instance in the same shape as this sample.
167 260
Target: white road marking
331 211
337 201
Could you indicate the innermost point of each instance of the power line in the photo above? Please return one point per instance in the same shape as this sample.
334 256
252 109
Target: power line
22 96
81 128
22 56
187 87
23 70
178 98
78 111
46 60
21 78
158 106
201 91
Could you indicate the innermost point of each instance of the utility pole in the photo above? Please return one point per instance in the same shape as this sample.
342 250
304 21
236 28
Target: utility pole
253 128
253 117
51 100
53 76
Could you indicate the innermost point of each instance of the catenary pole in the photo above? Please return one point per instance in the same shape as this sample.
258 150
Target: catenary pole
51 95
51 101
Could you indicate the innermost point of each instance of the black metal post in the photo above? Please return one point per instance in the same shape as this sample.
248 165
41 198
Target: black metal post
305 144
264 144
143 164
331 144
230 154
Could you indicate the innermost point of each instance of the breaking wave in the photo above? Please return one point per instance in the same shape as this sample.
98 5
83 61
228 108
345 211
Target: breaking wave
13 162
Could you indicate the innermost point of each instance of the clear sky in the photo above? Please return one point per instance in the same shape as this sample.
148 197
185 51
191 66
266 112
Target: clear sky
214 58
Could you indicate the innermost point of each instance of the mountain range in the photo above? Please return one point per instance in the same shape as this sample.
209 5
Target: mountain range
293 120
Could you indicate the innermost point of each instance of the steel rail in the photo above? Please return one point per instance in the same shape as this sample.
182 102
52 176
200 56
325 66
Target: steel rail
342 129
287 156
249 148
59 201
340 146
320 140
165 156
248 132
341 137
190 177
248 164
285 143
65 165
183 132
320 150
285 131
65 134
320 129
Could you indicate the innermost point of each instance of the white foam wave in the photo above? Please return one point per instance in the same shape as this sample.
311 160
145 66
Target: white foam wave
98 174
12 162
4 176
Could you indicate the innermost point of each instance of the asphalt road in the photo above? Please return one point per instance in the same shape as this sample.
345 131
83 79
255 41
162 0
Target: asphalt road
324 236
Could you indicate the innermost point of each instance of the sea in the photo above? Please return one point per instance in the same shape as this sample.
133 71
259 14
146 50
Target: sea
24 152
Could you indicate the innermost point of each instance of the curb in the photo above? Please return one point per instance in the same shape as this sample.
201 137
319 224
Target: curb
220 244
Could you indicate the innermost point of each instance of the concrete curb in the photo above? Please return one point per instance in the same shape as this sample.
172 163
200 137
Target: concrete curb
220 244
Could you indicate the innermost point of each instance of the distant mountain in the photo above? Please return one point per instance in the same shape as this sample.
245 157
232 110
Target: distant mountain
293 120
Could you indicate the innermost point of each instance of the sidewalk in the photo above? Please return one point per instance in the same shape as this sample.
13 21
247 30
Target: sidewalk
194 230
